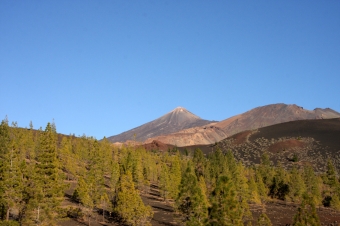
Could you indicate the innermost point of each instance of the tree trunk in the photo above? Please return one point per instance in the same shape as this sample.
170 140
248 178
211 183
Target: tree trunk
38 213
7 214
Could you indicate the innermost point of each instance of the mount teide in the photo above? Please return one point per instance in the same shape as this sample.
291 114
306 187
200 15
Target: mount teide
174 121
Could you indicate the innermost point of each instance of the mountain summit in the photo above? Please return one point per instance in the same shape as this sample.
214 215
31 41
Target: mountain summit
174 121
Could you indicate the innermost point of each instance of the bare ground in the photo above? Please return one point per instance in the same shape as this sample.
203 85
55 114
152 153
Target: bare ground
280 213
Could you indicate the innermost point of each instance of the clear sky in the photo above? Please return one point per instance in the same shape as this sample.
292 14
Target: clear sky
103 67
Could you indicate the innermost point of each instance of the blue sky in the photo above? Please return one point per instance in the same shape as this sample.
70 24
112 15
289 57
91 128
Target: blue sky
103 67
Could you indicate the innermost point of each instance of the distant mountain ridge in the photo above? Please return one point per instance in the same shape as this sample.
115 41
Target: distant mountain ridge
272 114
256 118
174 121
312 141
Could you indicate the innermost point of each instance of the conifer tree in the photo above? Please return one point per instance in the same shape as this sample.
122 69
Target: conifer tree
199 162
218 164
67 157
253 189
129 204
30 143
114 178
226 209
47 190
279 188
95 175
307 215
332 191
175 176
164 181
11 184
82 195
265 170
312 182
106 151
331 175
261 187
137 169
236 172
296 184
191 201
203 187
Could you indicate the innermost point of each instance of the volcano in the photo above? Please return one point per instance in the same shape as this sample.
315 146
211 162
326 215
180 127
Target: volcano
174 121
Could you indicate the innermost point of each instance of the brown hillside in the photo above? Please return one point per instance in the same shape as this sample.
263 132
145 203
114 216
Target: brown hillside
272 114
157 145
311 141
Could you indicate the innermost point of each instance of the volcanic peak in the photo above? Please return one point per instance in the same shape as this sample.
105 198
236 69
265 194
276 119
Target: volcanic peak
174 121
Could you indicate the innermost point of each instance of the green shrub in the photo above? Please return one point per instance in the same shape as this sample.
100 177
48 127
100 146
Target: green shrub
295 158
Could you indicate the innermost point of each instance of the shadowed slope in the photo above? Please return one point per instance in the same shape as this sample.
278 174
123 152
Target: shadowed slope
311 141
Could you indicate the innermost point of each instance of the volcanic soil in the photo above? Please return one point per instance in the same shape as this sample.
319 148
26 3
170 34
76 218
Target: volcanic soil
311 141
280 213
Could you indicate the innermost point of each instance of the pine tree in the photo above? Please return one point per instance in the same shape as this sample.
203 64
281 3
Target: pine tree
137 170
67 158
226 209
47 184
191 201
265 170
279 188
11 183
164 181
237 175
114 178
30 143
105 203
199 162
95 174
296 184
82 195
331 178
129 204
253 190
261 187
307 215
203 187
332 191
175 176
218 164
312 183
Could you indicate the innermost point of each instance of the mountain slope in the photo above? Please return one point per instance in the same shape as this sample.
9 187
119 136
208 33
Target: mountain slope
174 121
207 134
253 119
311 141
272 114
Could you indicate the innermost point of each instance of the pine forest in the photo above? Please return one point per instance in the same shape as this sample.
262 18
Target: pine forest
108 183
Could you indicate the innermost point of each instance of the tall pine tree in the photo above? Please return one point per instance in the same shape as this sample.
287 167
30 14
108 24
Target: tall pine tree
11 178
226 209
47 184
191 201
129 204
307 215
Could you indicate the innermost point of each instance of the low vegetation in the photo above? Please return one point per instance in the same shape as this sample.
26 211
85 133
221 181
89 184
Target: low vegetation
38 166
